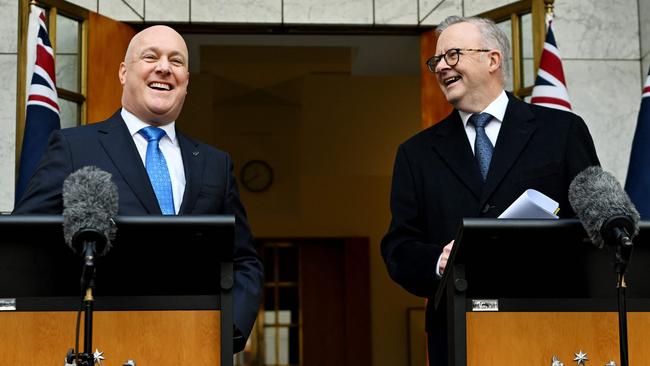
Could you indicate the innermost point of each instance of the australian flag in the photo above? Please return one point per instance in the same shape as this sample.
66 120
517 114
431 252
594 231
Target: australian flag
550 86
42 115
637 184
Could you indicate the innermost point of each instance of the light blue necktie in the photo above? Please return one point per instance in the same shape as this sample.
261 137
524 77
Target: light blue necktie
482 145
157 170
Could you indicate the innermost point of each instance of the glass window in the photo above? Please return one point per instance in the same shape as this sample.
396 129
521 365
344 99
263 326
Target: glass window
69 113
67 53
280 317
67 50
523 22
527 57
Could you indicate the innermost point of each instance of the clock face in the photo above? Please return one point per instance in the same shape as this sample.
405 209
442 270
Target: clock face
256 176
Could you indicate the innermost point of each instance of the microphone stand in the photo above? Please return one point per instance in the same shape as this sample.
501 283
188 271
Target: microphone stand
623 253
87 358
622 320
615 232
88 325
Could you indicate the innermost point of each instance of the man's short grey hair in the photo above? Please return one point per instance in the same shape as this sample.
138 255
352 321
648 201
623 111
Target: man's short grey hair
493 36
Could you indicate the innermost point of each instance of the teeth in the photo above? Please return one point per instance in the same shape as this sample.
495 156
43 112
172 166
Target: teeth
451 80
160 86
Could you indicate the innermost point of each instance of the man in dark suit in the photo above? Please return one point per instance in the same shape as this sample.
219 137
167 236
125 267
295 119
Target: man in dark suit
474 163
196 178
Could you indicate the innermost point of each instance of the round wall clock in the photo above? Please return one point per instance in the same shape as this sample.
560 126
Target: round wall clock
256 176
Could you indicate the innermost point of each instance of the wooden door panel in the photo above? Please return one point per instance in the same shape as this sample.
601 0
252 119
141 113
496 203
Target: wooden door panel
434 104
335 301
322 298
107 43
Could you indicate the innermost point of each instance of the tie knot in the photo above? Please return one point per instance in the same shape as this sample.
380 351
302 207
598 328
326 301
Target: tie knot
480 120
152 133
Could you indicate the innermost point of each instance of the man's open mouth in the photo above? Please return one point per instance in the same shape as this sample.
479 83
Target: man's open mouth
160 86
451 80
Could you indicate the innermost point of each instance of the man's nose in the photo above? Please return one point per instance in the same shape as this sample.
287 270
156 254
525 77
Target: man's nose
442 65
163 65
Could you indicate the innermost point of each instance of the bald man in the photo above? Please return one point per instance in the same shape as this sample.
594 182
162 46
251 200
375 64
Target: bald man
197 178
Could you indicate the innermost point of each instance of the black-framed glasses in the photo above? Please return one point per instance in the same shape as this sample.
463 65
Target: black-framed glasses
451 57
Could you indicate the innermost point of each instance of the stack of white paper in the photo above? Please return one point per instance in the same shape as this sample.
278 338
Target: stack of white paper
531 204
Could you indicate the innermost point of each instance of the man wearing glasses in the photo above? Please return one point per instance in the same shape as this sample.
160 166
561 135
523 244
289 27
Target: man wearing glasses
473 163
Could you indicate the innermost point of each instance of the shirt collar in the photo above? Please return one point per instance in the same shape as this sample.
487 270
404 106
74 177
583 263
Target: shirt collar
134 124
497 109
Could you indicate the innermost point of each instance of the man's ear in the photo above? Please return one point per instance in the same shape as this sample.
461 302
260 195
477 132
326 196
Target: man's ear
121 74
496 60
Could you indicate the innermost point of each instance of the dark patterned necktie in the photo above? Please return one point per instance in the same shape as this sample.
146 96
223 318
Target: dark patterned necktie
482 145
157 170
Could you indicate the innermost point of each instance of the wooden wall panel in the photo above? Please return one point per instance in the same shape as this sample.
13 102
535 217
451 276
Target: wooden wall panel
509 339
107 43
434 104
162 338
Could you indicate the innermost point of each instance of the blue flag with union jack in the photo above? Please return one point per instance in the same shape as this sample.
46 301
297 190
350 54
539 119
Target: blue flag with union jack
42 113
550 86
637 184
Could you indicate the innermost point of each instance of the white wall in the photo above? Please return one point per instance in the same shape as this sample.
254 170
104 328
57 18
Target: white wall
599 43
644 22
8 73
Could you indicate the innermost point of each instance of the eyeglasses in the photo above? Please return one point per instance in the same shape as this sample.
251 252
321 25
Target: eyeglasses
451 57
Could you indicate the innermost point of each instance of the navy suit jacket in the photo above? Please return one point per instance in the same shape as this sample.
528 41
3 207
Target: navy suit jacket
210 189
436 183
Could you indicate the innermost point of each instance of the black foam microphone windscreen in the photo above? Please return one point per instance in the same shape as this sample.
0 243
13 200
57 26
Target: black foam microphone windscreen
602 206
90 202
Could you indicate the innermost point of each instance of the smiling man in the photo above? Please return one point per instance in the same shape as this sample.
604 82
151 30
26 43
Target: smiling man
154 75
474 163
156 168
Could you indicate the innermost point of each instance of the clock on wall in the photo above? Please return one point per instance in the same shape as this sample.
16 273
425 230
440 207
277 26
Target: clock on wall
256 176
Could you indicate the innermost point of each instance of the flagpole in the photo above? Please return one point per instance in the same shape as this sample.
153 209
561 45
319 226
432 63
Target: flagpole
548 5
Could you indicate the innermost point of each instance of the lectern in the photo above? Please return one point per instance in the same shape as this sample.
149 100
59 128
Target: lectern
162 295
522 291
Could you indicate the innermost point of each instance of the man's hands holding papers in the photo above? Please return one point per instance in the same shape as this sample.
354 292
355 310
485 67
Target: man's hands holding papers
531 204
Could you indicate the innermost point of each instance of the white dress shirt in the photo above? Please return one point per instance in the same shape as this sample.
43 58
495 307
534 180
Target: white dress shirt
170 150
498 110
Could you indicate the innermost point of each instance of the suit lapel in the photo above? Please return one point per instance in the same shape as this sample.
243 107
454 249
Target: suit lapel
450 142
116 140
516 130
193 163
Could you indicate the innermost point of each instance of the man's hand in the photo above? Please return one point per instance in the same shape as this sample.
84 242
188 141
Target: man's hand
444 257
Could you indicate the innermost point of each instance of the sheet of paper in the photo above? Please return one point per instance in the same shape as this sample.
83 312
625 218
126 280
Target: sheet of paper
531 204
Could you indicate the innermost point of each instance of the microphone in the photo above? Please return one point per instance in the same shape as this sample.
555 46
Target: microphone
90 201
605 210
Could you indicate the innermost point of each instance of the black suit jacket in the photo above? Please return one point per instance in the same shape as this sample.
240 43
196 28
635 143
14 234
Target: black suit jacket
210 189
436 183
